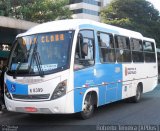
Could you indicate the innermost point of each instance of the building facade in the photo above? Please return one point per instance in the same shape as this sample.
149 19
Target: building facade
87 9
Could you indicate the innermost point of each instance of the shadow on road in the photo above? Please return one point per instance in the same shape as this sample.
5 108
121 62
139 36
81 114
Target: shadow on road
110 113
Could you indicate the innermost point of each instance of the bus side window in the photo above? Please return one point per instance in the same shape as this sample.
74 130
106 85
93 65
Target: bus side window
149 51
137 50
123 52
106 47
84 54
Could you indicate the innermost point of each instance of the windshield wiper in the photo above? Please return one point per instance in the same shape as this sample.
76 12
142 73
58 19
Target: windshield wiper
35 56
38 63
17 69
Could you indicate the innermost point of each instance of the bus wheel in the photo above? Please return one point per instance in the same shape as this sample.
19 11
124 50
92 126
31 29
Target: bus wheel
138 95
88 107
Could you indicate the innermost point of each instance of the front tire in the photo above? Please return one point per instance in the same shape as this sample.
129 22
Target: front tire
88 107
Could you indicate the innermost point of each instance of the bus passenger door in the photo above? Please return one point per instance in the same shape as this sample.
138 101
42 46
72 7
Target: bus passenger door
108 73
83 66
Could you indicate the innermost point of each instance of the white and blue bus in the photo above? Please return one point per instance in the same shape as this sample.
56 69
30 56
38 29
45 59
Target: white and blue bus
73 66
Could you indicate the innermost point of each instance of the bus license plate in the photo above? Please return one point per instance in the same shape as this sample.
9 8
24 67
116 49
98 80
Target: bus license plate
36 90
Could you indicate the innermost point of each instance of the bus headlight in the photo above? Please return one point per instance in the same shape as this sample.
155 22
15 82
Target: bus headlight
60 90
7 92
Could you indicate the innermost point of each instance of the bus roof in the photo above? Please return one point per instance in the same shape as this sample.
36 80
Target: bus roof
72 24
148 39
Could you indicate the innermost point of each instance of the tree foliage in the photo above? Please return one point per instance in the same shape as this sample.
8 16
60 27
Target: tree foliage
35 10
137 15
5 7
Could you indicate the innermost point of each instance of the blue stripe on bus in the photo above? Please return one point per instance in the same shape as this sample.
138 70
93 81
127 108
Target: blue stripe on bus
109 73
15 88
81 77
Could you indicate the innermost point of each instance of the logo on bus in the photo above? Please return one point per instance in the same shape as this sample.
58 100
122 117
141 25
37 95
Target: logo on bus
13 88
130 71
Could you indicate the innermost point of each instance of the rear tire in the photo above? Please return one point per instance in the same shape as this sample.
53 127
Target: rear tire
138 95
88 107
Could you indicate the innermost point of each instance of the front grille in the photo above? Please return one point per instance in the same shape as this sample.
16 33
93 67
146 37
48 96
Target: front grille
30 97
29 81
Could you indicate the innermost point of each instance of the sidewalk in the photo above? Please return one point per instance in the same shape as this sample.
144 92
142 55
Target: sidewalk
2 110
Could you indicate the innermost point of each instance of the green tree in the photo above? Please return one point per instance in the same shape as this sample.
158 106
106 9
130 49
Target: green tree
5 7
137 15
45 10
10 8
36 10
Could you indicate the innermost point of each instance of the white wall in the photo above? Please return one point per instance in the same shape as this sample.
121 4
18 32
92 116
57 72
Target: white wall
84 6
85 16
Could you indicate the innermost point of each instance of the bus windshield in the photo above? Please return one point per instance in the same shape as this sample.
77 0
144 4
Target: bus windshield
41 53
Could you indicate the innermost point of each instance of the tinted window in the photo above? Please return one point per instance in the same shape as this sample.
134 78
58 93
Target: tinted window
123 53
122 42
136 44
106 47
150 57
137 56
148 46
84 55
137 50
149 51
106 40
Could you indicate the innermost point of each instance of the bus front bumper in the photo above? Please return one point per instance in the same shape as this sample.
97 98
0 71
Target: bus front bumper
57 106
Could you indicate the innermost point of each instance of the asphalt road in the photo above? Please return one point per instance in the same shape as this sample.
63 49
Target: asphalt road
119 115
